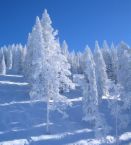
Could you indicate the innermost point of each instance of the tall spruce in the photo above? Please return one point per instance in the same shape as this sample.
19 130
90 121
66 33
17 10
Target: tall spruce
101 75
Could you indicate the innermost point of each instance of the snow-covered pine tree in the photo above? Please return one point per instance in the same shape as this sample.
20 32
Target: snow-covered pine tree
124 73
49 67
61 67
28 58
83 60
65 50
13 48
5 53
65 82
35 46
115 105
75 59
17 58
72 61
101 75
2 65
114 58
78 59
21 50
90 99
23 59
90 94
80 68
39 68
108 61
9 58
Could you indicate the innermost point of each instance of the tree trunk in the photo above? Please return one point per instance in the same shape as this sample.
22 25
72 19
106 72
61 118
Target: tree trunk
47 117
117 140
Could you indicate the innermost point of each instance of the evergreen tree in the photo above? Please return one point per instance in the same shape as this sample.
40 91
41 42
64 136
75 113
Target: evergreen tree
90 99
65 50
2 65
49 67
80 68
114 58
108 61
101 75
35 46
72 61
115 104
17 58
65 82
90 94
9 58
124 72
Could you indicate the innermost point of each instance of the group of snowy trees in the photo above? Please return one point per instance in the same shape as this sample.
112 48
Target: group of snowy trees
12 58
49 68
107 76
46 67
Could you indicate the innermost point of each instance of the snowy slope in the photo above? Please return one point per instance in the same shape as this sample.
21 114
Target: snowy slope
23 122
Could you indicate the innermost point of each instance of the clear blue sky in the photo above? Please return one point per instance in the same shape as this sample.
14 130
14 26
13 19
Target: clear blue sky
79 22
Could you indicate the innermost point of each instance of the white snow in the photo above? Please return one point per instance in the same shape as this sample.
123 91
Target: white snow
13 83
15 142
125 136
23 121
60 136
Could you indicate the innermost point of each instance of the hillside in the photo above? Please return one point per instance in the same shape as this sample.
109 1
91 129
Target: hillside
23 122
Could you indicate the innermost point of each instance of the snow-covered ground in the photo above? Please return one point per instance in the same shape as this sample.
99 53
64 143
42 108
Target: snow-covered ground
23 122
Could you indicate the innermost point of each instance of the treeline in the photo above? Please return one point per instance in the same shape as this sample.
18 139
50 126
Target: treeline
12 59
